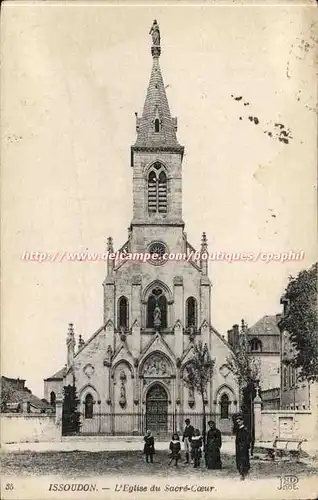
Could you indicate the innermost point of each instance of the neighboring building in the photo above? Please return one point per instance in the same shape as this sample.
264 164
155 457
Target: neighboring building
129 374
15 397
53 386
295 394
264 342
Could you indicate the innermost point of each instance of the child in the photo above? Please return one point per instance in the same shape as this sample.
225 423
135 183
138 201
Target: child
196 445
175 448
149 446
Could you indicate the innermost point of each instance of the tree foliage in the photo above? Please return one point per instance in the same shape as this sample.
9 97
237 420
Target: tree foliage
71 416
198 373
245 368
300 321
5 394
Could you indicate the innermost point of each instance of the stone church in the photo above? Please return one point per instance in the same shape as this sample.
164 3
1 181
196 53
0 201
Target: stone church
129 373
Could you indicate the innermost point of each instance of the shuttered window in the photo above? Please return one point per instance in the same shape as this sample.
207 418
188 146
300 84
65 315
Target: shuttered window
157 190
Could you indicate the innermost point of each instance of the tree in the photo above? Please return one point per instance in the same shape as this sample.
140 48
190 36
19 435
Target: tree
198 372
71 416
5 394
246 370
300 321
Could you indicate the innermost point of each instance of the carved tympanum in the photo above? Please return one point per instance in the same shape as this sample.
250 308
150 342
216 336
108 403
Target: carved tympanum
156 366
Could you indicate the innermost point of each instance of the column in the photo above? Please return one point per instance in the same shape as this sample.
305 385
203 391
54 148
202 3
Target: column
59 413
178 314
109 300
258 417
136 314
205 287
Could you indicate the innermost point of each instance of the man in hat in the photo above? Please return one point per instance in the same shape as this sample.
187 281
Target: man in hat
242 448
186 438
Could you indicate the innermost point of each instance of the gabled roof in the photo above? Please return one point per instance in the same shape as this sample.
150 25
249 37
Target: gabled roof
58 375
267 325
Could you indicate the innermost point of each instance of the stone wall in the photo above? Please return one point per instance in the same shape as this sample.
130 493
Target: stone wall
284 425
28 428
269 370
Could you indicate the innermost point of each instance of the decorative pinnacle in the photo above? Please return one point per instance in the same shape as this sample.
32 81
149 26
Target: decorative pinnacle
70 335
243 326
81 342
110 247
204 243
155 33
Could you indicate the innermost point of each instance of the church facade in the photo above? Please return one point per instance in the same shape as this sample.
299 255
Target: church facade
129 374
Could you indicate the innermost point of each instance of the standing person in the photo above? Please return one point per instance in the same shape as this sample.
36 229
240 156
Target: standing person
196 445
186 438
213 446
175 448
242 448
149 446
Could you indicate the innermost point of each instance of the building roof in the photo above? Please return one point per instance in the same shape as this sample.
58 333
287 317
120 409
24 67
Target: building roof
19 394
58 375
267 325
25 396
156 106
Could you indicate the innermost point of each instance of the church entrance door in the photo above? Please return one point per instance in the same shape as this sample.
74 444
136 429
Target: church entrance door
157 409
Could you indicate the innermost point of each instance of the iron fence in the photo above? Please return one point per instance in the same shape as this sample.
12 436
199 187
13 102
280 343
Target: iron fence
163 425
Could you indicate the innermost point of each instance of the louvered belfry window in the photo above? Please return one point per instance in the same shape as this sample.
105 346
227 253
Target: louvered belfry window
157 190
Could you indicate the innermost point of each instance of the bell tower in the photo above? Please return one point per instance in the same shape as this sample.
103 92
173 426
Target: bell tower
156 156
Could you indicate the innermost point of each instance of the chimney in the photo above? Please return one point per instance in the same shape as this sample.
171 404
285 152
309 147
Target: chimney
230 337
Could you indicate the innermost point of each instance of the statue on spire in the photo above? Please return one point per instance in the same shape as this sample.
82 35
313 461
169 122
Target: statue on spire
155 32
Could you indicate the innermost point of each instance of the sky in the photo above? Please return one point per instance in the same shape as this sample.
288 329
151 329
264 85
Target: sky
73 77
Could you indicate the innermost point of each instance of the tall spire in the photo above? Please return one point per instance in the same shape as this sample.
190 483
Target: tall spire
156 127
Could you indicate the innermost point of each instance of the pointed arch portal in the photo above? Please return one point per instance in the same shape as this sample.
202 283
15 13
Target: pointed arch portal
157 409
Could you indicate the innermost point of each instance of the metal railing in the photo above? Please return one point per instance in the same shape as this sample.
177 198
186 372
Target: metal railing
161 424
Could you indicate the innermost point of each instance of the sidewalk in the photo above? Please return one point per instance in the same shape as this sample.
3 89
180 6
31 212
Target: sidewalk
95 444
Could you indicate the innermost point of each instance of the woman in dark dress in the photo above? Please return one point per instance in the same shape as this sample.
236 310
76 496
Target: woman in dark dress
149 446
213 446
242 448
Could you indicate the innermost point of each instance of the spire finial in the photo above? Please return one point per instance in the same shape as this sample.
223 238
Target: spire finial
155 33
70 334
204 242
81 342
70 344
110 247
244 326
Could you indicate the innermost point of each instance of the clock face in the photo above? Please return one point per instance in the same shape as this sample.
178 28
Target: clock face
159 249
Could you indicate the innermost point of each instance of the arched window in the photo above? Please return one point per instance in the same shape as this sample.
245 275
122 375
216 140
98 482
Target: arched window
152 193
293 376
123 313
256 345
88 413
191 312
284 377
224 406
157 298
157 190
52 398
157 125
162 193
